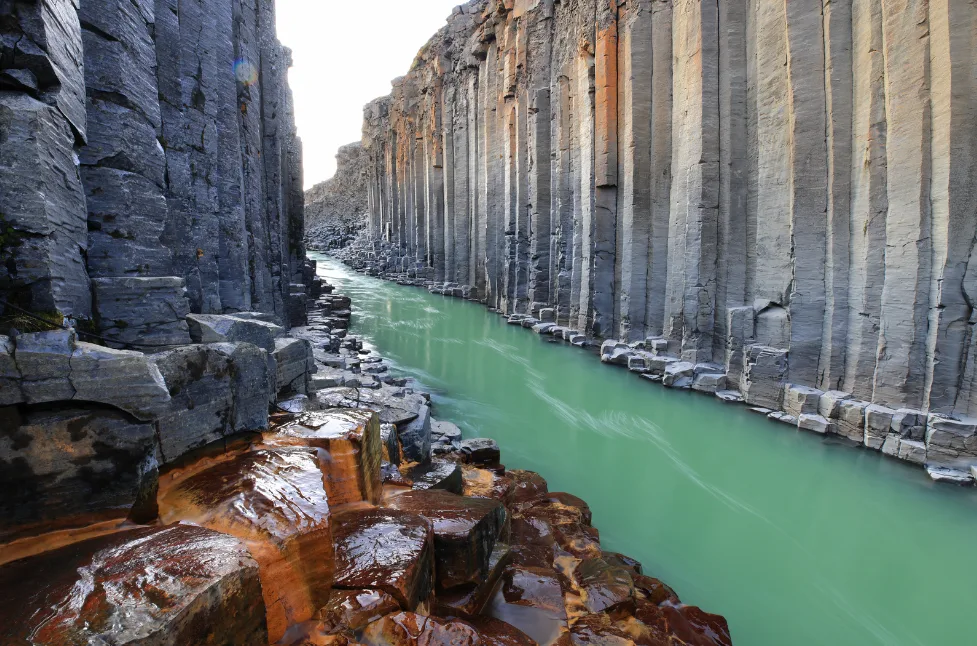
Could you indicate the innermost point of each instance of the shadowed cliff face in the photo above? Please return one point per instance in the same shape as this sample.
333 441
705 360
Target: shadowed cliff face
150 166
719 176
336 210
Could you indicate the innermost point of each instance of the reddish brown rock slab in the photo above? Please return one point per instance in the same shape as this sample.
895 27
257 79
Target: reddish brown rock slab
655 591
408 629
559 501
436 474
465 532
275 501
616 558
170 585
603 587
485 483
470 599
385 549
684 625
354 610
526 485
532 600
545 524
352 439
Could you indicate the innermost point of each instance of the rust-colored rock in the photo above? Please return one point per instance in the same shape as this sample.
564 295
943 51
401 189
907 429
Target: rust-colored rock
554 521
603 587
654 590
354 610
485 483
352 440
169 585
465 532
385 549
532 600
436 474
526 485
276 502
471 599
684 625
409 629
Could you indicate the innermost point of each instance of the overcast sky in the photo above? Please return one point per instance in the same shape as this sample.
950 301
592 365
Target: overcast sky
346 53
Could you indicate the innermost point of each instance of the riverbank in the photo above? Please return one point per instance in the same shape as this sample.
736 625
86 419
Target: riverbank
354 516
946 447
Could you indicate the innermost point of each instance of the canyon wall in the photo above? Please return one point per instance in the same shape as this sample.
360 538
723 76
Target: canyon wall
336 209
743 182
149 164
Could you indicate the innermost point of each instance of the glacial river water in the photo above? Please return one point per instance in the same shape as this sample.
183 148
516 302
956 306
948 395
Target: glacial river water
796 539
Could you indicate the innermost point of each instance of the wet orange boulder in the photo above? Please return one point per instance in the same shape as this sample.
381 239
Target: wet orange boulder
684 625
465 532
352 439
436 474
168 585
485 483
354 610
526 485
387 550
532 600
275 501
557 523
409 629
470 599
603 587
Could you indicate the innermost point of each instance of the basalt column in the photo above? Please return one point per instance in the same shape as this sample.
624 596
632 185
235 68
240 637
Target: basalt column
775 190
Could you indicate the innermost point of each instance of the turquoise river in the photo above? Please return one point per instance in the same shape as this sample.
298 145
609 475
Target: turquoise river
796 539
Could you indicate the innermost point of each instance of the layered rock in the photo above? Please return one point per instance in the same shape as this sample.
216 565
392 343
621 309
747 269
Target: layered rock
336 210
775 192
145 175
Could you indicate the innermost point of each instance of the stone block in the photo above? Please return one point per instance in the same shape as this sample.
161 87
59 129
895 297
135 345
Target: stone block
680 374
481 451
177 585
212 328
74 467
851 420
465 532
801 400
10 392
436 474
149 311
763 376
951 443
415 436
909 423
814 423
830 404
878 425
294 362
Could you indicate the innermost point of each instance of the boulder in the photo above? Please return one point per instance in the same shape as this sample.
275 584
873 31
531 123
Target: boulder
909 423
951 443
436 474
10 392
949 475
162 585
295 363
74 467
481 451
408 629
851 420
252 385
829 405
814 423
213 328
465 532
526 485
275 501
604 586
615 352
801 400
471 599
354 610
878 425
352 440
415 436
532 600
394 405
550 521
680 374
391 443
387 550
763 376
486 483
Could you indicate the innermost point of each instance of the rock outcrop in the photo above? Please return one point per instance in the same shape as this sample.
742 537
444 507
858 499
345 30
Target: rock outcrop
725 177
149 165
336 210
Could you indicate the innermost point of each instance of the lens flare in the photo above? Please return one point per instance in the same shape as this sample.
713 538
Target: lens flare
245 72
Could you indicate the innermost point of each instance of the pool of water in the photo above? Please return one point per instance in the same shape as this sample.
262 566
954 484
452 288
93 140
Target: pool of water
797 539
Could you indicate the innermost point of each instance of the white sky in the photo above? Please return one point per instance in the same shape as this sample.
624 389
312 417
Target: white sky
346 53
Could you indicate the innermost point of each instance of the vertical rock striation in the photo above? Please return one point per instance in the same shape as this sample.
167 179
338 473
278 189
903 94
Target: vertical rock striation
779 188
148 158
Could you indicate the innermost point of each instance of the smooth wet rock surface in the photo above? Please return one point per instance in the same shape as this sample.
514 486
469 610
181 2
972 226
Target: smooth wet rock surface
169 585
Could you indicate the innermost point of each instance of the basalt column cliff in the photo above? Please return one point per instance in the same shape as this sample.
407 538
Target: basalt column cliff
140 177
780 188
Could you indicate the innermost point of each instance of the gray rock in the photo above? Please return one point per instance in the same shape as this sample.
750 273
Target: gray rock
730 396
680 374
446 431
295 364
814 423
415 436
830 404
64 468
801 400
951 443
149 311
763 376
878 425
10 392
851 420
210 328
391 442
949 475
784 418
253 383
909 423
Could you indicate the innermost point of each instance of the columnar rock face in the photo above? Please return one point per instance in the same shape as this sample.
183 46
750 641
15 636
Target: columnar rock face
149 165
735 180
336 210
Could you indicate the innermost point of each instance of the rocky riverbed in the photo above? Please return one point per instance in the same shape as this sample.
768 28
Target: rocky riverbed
944 445
351 516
